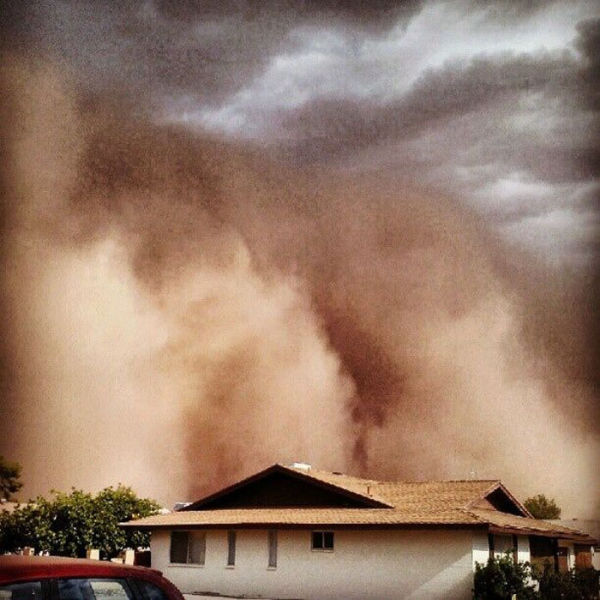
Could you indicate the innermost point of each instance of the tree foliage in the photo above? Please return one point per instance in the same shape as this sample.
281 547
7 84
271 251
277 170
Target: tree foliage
542 508
10 478
576 584
503 579
69 524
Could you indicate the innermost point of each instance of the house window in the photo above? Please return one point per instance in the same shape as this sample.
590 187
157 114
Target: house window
500 545
272 549
322 541
230 548
188 547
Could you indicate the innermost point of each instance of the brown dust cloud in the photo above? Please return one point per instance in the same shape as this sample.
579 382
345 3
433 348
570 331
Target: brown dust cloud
180 311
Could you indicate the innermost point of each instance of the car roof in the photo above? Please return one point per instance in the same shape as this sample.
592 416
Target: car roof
15 568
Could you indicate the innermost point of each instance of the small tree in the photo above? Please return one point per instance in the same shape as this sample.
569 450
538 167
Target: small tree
501 579
571 585
10 478
69 524
542 508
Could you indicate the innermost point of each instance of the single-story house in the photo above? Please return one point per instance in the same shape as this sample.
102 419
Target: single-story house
296 532
589 526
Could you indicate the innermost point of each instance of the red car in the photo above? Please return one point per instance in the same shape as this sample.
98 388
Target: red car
57 578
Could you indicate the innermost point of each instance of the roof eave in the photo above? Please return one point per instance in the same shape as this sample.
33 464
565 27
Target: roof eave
306 526
575 537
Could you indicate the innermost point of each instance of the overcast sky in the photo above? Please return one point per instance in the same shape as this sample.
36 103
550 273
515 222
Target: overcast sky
495 103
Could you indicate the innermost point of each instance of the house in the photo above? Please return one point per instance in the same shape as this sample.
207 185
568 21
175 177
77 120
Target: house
296 532
591 527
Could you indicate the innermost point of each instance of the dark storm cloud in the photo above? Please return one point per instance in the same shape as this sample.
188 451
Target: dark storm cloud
204 50
363 15
588 43
513 134
334 127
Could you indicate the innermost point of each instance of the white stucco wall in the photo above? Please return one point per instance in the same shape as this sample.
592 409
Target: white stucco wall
524 552
364 565
481 550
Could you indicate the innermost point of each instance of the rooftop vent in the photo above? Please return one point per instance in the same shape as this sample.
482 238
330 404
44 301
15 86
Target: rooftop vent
301 466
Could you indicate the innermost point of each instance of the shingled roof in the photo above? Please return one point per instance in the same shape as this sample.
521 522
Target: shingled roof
478 504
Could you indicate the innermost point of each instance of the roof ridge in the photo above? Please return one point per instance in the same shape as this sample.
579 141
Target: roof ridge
313 471
443 481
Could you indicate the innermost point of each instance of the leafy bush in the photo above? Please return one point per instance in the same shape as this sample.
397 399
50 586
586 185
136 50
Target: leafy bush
69 524
574 585
10 478
588 581
501 578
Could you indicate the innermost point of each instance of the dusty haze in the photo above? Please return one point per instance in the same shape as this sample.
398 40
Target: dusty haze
180 311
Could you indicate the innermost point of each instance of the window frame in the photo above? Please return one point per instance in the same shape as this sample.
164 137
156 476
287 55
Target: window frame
231 548
323 534
130 591
272 548
190 533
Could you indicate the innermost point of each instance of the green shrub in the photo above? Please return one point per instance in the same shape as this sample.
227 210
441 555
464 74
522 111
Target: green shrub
68 524
588 581
501 578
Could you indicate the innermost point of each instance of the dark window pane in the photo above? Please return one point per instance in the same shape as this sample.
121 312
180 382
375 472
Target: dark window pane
110 589
179 546
322 540
74 589
317 540
196 547
272 548
151 591
32 590
93 589
231 548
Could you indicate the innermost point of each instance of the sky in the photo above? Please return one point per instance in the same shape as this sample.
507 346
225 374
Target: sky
361 235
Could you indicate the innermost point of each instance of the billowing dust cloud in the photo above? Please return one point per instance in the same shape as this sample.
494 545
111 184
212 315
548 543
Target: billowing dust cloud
180 313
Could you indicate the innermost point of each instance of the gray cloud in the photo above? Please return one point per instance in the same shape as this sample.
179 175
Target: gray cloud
204 50
479 86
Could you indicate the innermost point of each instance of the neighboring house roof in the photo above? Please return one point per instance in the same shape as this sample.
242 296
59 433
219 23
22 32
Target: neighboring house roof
359 503
589 526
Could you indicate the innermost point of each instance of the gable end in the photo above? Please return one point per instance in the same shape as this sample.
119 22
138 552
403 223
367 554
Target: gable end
280 487
500 499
